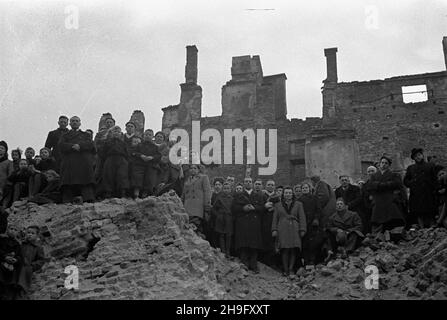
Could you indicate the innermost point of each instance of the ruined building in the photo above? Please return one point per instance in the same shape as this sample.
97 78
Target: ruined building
361 120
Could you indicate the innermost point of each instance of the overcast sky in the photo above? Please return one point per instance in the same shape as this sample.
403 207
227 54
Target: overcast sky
131 54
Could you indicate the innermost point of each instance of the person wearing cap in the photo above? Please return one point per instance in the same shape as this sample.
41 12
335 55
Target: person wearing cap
53 140
383 186
421 179
6 167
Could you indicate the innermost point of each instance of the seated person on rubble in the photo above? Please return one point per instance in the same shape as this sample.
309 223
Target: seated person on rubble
344 229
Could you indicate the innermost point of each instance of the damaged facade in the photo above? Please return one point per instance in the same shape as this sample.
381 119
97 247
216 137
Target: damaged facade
361 120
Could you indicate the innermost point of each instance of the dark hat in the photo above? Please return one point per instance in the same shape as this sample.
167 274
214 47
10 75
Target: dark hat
220 179
387 159
131 122
415 151
4 144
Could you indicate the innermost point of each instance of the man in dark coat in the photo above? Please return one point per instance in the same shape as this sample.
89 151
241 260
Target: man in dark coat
247 208
385 187
349 193
421 178
77 176
53 140
326 198
344 229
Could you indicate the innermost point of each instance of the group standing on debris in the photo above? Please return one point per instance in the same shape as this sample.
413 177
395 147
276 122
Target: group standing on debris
281 226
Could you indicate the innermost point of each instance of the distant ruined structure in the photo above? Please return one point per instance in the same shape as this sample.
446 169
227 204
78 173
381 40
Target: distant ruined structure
361 120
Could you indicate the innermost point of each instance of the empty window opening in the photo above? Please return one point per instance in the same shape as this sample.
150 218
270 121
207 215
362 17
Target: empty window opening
388 116
441 112
436 125
413 94
385 138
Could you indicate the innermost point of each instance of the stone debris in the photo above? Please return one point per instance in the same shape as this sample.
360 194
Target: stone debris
146 249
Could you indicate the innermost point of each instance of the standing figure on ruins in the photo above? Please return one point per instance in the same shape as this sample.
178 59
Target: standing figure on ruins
326 198
196 197
421 178
385 187
100 139
77 176
289 226
367 204
52 141
116 167
247 208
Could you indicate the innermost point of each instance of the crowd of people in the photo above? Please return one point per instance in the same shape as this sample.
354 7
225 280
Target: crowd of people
285 227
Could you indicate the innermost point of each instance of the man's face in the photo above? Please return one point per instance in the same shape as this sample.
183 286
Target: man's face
31 234
130 128
226 188
340 205
37 159
2 151
194 170
159 138
344 181
230 180
270 186
279 191
239 189
298 190
217 186
442 174
63 123
258 185
305 189
75 123
384 164
248 183
29 153
418 157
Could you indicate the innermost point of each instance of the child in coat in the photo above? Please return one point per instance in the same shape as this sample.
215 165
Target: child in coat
51 193
16 155
163 148
19 183
29 156
38 180
115 175
33 259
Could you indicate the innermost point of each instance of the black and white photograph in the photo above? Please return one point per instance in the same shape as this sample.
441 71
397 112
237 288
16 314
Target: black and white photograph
223 155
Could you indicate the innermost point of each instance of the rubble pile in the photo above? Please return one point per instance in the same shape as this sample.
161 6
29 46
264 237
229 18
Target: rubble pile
126 249
146 249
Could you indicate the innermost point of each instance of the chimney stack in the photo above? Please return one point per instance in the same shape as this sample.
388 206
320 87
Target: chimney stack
331 63
191 64
444 46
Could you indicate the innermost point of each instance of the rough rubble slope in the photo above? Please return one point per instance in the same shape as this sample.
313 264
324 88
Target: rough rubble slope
126 249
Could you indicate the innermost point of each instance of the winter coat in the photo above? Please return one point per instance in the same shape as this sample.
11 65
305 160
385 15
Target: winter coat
52 142
147 148
9 246
349 222
326 200
289 222
196 194
223 217
46 164
266 221
421 179
385 188
77 166
247 233
311 208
